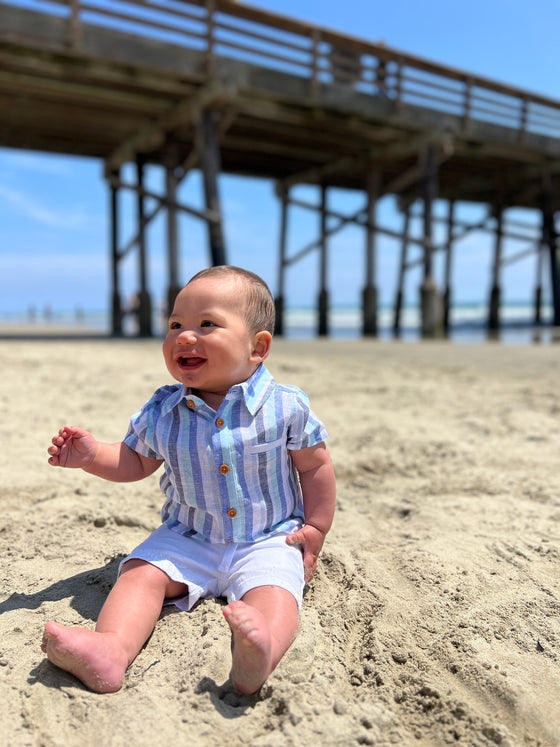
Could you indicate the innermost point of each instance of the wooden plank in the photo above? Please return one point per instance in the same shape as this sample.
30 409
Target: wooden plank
60 90
153 134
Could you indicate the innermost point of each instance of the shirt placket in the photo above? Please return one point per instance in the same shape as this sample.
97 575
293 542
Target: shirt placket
223 447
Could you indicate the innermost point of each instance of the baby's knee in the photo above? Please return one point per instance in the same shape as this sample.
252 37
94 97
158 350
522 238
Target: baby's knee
137 565
143 572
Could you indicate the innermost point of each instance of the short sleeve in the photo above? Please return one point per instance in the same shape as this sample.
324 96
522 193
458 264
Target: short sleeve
305 429
145 425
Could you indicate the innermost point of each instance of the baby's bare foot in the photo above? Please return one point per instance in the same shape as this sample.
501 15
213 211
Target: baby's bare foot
252 649
97 659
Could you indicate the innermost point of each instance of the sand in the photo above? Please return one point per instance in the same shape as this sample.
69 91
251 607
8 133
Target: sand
434 615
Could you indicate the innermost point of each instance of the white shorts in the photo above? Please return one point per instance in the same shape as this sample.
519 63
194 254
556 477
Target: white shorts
228 570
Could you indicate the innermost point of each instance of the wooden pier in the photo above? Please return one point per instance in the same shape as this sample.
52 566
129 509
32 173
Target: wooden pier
225 88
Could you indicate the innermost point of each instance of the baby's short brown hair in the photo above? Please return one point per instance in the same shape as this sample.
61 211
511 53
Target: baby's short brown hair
259 311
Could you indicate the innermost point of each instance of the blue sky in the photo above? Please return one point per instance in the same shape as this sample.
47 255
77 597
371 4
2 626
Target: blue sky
54 210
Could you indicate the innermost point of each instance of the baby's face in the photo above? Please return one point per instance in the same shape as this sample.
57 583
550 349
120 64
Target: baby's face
208 345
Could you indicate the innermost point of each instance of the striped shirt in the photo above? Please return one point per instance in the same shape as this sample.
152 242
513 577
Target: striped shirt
228 474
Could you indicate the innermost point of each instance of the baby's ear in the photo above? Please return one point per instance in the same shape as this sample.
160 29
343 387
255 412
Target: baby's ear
261 346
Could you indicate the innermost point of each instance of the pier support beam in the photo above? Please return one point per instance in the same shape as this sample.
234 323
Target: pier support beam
448 263
116 306
144 302
323 300
279 300
210 163
495 292
538 284
549 238
399 298
369 293
430 302
171 184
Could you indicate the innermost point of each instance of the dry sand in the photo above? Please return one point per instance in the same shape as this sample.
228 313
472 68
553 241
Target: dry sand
434 615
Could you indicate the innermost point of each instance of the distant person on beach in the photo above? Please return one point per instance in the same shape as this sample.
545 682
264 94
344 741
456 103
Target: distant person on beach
249 490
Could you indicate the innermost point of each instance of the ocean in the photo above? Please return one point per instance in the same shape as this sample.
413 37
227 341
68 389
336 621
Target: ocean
468 323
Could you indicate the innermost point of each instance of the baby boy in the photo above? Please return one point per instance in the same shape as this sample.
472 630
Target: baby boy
248 483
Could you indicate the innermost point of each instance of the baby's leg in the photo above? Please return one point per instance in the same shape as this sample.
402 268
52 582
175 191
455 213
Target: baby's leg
100 658
264 624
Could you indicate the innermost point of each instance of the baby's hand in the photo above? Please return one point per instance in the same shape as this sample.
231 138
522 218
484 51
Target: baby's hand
312 540
72 447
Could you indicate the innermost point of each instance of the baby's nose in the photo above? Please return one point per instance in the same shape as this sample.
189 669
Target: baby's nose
187 337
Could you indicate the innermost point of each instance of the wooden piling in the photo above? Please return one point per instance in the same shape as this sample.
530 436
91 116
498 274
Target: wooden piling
369 293
211 166
116 307
550 240
323 299
283 195
495 292
448 265
538 283
399 298
430 307
171 184
144 301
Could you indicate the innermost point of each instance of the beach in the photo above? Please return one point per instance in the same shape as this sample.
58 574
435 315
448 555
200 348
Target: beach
434 616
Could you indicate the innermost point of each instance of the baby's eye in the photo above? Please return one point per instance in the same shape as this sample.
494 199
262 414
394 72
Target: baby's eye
207 323
174 325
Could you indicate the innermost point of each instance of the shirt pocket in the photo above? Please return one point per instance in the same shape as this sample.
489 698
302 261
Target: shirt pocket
262 448
264 462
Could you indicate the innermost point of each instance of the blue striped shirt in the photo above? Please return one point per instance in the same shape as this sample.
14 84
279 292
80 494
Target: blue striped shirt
228 474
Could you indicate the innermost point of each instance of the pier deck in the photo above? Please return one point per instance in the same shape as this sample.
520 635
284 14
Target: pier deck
288 101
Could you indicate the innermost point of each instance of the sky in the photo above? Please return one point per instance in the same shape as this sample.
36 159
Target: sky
54 210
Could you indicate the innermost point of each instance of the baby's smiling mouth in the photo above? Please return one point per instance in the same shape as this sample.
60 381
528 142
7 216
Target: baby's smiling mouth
189 362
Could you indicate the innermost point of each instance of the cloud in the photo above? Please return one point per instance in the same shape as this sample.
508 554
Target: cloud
39 163
29 207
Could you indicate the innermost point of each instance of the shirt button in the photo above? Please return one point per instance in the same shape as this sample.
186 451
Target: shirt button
220 422
232 513
224 469
190 404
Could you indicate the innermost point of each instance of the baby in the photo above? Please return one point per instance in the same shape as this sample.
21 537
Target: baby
248 482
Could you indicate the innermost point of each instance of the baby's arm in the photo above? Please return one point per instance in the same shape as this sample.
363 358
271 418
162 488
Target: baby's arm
316 475
77 448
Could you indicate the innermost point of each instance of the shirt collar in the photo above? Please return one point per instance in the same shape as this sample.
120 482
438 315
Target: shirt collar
254 392
173 399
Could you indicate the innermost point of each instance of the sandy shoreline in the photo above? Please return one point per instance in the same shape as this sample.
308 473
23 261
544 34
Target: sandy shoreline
434 617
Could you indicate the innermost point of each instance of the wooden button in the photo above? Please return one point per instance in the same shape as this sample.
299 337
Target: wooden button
190 404
220 423
232 513
224 469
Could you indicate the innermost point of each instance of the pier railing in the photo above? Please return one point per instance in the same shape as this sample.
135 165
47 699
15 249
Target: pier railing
221 28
